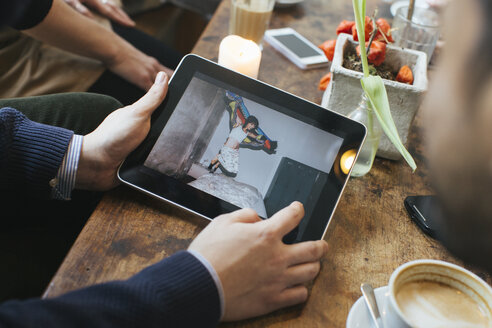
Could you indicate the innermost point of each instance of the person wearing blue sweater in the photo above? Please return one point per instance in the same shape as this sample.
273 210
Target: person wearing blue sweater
194 288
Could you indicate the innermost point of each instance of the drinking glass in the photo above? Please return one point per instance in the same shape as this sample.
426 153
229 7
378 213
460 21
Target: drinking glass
421 33
250 18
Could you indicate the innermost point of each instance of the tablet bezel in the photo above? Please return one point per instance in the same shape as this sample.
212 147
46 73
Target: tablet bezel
133 173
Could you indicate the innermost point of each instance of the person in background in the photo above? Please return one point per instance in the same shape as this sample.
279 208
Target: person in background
458 114
53 46
57 48
209 282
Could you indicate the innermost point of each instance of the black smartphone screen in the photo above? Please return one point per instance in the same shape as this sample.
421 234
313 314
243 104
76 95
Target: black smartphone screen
425 212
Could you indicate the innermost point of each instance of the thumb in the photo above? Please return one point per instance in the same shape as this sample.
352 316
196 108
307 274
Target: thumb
154 97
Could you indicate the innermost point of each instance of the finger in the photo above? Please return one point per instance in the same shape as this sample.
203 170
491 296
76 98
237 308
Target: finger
168 71
82 9
286 219
308 251
302 273
245 215
291 296
154 97
71 3
112 11
120 16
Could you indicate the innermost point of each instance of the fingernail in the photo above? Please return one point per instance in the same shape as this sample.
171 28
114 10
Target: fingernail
160 77
296 204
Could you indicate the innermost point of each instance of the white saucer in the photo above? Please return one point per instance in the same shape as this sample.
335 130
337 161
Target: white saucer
359 316
287 3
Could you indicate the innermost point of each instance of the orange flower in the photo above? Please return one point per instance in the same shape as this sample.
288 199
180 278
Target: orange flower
405 75
325 80
383 26
345 27
328 48
367 29
376 54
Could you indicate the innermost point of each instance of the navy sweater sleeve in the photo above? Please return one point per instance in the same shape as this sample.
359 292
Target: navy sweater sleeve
30 153
23 14
176 292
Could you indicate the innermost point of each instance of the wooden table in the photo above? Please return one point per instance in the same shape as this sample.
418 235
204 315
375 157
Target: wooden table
369 236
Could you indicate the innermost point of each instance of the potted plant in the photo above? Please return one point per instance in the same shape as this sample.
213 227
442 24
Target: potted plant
342 93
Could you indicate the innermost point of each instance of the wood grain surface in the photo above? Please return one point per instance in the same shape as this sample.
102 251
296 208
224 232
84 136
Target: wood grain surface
369 236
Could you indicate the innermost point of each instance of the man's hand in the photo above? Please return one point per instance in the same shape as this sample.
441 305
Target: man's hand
104 149
258 272
106 8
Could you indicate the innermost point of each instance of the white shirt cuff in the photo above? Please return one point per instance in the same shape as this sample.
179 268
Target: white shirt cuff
64 182
215 276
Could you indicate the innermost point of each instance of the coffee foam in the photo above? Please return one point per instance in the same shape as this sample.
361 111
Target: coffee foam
432 304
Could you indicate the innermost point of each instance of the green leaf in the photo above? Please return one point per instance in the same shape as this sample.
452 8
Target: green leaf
360 23
374 87
376 92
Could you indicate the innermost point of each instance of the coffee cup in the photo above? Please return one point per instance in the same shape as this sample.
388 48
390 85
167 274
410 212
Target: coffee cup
432 293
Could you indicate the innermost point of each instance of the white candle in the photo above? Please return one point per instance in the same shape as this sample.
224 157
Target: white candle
240 55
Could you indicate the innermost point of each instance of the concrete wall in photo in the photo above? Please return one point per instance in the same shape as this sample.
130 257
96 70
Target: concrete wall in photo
189 130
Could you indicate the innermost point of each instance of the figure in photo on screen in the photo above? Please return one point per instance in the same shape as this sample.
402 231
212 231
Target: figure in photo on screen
245 132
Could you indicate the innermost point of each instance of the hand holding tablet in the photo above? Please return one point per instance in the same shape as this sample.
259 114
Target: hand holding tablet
257 270
104 149
223 141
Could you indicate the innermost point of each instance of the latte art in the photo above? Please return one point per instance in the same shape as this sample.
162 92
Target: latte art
427 304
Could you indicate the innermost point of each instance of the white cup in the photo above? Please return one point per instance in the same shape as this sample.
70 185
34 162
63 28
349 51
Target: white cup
447 277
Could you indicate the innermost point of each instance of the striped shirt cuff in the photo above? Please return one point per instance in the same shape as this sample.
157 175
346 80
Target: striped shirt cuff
215 276
64 182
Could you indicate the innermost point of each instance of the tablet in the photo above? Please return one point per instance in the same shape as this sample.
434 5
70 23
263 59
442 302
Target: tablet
223 141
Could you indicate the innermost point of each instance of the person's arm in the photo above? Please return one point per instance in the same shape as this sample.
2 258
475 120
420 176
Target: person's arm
65 28
252 135
257 271
104 149
176 292
106 8
30 153
238 121
257 274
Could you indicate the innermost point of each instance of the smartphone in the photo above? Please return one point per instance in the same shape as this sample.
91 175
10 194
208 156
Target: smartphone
425 212
295 47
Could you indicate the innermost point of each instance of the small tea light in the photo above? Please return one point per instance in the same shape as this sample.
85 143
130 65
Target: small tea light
347 160
240 55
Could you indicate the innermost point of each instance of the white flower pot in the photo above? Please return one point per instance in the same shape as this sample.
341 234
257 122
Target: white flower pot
343 93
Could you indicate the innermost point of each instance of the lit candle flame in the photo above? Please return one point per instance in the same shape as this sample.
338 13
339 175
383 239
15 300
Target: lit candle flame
347 160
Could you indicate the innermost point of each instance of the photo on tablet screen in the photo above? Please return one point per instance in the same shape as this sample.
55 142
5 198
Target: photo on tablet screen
243 152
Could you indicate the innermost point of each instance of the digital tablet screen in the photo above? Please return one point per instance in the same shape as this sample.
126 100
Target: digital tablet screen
231 145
